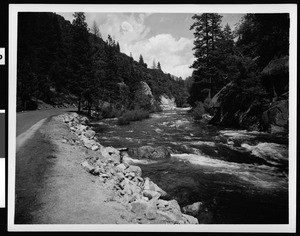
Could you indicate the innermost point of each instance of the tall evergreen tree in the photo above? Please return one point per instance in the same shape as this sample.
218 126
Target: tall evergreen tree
158 66
207 39
153 64
141 59
95 29
81 64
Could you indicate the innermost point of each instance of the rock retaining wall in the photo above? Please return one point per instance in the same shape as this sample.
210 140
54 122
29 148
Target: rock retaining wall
139 194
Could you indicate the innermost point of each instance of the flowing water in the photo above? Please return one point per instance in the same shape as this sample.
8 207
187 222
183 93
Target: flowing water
241 177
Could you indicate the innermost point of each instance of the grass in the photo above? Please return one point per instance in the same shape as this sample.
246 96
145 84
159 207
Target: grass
133 115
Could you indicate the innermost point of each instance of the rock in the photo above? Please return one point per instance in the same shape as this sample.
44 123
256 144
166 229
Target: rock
120 176
87 166
95 147
149 152
215 102
147 184
135 169
144 97
130 175
190 219
82 128
150 194
73 129
153 186
151 211
121 168
64 140
277 116
169 215
111 154
139 207
174 205
90 134
192 209
105 176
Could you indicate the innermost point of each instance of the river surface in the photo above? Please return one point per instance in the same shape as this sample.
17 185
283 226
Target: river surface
241 177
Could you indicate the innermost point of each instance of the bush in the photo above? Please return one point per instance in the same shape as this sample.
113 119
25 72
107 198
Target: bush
133 115
198 111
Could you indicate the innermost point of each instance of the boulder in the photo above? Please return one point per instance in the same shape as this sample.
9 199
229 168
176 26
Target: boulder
89 168
143 97
149 152
192 209
154 187
120 168
95 147
111 154
151 211
139 207
150 194
90 134
190 219
277 116
135 169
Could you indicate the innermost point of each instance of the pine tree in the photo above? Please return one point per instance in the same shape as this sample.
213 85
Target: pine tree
81 63
158 66
153 64
207 38
141 60
95 29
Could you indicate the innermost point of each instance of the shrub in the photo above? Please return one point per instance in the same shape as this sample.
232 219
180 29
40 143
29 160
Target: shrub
198 111
133 115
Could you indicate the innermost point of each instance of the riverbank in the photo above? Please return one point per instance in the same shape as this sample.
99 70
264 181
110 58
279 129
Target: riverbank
73 179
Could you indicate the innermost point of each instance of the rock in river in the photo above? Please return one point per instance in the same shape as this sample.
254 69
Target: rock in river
149 152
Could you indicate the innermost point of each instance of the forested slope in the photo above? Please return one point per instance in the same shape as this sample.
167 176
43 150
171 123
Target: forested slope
63 62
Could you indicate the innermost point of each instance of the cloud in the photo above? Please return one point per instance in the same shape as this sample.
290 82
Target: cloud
175 56
126 26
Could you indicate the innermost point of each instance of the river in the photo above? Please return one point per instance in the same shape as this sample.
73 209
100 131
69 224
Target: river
241 177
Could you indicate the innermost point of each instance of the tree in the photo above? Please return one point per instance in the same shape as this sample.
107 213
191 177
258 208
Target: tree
158 66
207 39
81 63
95 29
153 64
141 60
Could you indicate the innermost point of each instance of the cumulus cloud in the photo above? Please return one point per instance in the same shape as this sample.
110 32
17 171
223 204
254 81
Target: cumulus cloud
126 26
175 56
132 33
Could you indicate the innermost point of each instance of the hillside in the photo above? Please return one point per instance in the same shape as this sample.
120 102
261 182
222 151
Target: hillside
62 63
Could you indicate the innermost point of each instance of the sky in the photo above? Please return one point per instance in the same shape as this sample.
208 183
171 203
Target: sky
163 37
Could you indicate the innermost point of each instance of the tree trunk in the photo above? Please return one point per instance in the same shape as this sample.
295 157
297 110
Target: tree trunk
79 104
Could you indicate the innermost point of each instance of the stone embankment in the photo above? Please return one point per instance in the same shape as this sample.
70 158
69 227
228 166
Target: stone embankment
139 194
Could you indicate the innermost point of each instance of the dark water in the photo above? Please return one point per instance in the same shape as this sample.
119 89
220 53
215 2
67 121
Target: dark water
240 177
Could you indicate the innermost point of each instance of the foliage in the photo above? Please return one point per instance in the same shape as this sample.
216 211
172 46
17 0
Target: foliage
260 38
54 53
133 115
198 111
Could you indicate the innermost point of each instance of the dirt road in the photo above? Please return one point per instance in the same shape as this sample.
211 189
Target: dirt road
52 187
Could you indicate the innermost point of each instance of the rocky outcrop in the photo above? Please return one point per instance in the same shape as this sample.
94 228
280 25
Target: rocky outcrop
139 195
260 116
215 102
167 103
149 152
143 97
276 118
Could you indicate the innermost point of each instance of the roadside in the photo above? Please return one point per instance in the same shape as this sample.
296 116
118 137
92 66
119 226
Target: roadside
52 187
64 176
